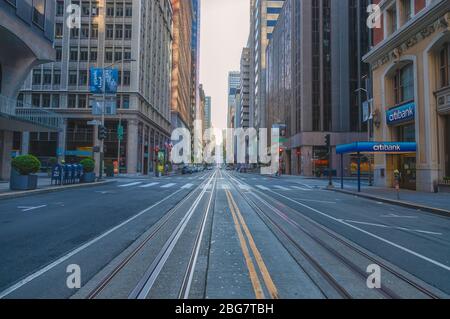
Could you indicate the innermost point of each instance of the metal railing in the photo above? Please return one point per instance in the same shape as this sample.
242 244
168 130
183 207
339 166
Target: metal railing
26 112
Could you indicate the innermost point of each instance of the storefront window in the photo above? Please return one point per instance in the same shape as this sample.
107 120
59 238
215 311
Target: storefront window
407 133
404 84
444 66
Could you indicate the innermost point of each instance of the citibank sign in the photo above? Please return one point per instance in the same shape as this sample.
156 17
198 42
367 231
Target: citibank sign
401 114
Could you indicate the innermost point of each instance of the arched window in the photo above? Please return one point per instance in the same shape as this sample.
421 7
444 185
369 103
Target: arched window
404 84
444 66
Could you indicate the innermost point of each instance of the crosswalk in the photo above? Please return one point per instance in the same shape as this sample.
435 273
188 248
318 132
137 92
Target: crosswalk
221 185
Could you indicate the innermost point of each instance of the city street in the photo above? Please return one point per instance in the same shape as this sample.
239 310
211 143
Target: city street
219 234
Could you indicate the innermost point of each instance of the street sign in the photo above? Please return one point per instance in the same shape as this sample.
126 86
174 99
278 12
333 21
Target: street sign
120 132
94 123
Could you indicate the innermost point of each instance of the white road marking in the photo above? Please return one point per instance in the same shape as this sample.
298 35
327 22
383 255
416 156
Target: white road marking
27 208
393 227
187 186
168 185
130 184
282 188
264 188
397 216
57 262
412 252
149 185
302 188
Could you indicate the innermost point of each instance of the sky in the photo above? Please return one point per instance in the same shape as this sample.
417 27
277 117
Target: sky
224 31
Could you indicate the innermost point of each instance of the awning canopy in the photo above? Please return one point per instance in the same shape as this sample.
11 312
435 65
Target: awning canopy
377 147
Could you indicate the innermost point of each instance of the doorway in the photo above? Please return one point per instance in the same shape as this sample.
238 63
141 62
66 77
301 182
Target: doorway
407 168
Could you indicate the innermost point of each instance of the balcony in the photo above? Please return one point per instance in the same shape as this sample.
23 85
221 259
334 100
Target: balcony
19 116
443 100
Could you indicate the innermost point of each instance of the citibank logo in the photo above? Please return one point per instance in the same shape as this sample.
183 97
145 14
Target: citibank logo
386 148
401 114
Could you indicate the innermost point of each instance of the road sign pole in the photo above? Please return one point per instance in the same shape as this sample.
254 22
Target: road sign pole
119 138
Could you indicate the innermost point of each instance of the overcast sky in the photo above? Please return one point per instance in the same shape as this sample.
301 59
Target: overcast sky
224 31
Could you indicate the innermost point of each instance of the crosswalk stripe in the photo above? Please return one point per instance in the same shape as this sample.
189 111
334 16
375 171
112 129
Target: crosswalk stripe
264 188
301 188
282 188
187 186
148 185
130 184
168 185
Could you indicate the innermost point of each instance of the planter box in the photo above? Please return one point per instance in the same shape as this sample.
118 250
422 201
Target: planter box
88 178
22 182
444 188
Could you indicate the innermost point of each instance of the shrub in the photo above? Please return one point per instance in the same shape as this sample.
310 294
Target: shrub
88 165
26 164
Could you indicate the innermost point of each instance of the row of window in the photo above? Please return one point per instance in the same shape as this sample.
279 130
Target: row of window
85 54
120 9
113 31
47 77
80 101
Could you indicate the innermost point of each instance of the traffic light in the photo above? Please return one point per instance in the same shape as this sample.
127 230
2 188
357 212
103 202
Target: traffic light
102 132
328 140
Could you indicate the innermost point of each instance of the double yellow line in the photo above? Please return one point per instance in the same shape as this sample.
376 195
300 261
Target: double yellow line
240 225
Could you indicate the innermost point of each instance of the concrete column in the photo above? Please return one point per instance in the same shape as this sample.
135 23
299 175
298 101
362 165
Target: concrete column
61 147
307 164
132 146
6 143
25 143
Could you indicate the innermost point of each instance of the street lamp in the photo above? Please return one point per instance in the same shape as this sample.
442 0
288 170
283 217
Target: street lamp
369 128
102 142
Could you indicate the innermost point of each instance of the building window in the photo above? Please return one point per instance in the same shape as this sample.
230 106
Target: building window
404 84
94 54
36 100
128 9
118 55
128 32
109 55
83 77
444 66
75 33
82 101
94 31
85 31
73 54
46 100
55 101
110 10
58 54
126 102
407 8
58 30
85 9
37 75
73 77
119 9
126 78
56 77
127 54
71 101
109 31
119 31
60 8
84 54
392 19
39 13
47 77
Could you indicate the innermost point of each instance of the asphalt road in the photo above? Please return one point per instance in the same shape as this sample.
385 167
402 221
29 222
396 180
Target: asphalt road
218 234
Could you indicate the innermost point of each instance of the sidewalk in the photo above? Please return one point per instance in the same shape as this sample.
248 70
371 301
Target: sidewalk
438 203
44 186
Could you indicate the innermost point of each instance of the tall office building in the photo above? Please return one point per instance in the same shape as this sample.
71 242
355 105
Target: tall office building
208 114
234 83
313 80
263 18
132 36
26 33
245 89
183 87
196 112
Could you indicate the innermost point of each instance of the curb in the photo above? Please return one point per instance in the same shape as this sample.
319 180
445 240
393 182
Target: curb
50 190
433 210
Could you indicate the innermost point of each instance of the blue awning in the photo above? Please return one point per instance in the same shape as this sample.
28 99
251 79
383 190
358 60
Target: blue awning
377 147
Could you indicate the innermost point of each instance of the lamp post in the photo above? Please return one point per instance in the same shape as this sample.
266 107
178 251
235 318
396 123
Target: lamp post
102 142
369 127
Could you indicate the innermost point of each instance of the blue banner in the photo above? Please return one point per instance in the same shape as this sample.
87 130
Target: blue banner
96 81
401 114
377 147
